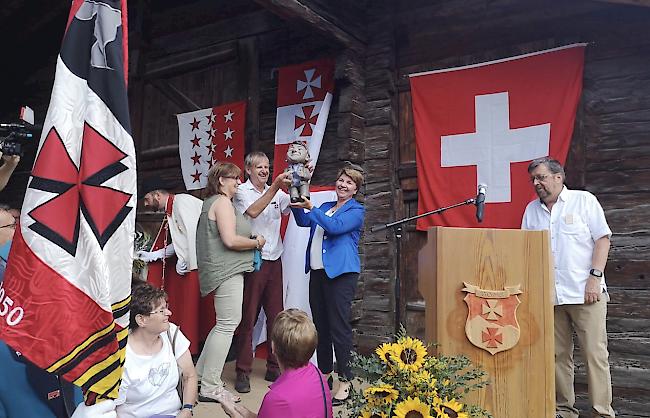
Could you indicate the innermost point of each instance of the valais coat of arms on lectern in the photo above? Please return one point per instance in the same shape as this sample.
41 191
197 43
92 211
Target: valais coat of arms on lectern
492 318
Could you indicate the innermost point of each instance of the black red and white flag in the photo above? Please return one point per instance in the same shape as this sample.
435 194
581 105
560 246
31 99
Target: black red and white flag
209 135
64 303
304 100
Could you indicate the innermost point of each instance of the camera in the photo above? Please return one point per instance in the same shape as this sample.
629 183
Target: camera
14 137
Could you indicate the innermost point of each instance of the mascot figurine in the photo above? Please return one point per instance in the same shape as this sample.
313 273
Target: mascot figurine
297 160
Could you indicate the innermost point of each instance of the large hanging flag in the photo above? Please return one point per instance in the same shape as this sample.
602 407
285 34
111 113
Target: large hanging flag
64 303
483 124
304 99
209 135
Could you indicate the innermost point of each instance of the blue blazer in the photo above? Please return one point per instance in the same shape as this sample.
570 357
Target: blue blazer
341 237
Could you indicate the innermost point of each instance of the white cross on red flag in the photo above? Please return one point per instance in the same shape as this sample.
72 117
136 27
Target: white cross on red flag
304 100
209 135
484 123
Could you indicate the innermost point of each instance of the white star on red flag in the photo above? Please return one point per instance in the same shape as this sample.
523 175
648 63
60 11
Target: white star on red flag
228 116
228 134
228 151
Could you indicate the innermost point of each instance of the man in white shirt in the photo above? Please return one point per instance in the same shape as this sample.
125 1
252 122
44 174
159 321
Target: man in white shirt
580 241
176 237
264 206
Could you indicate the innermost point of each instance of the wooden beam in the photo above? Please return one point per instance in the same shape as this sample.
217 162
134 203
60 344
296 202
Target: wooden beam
298 10
641 3
174 95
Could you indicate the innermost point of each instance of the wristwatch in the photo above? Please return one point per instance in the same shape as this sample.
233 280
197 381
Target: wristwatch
596 273
189 406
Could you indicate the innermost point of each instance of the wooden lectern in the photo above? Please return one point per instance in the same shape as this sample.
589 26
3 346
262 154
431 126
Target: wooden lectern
489 295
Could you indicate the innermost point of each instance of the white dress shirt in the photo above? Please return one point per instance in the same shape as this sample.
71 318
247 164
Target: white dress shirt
575 222
186 210
268 222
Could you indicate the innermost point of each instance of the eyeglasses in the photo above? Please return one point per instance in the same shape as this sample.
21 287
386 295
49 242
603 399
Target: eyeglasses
12 226
161 310
540 178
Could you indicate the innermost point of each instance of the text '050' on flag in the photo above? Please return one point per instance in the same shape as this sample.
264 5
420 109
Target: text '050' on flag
484 123
68 280
209 135
304 99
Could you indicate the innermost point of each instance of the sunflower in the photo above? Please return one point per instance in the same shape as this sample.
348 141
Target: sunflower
410 353
385 352
367 413
380 394
451 409
412 408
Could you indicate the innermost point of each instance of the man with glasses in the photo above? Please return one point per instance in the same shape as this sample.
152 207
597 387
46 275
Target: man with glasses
580 241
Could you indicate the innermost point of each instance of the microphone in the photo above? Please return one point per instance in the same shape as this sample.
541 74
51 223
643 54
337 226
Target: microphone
480 202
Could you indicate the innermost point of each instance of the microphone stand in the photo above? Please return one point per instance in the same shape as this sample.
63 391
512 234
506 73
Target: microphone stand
397 229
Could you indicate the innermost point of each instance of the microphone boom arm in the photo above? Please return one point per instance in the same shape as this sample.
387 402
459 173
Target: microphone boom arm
422 215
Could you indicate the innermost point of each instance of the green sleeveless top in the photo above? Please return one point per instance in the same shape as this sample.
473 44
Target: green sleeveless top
215 261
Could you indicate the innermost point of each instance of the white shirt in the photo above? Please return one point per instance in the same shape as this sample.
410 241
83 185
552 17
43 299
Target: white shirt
182 226
316 250
149 382
268 222
575 222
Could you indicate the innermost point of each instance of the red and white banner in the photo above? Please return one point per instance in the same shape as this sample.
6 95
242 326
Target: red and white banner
209 135
483 124
64 303
304 99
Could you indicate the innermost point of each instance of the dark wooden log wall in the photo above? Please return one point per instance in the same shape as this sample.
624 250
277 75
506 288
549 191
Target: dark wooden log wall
171 74
610 145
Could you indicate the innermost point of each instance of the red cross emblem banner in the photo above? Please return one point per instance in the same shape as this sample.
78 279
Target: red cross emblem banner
209 135
304 100
64 303
483 124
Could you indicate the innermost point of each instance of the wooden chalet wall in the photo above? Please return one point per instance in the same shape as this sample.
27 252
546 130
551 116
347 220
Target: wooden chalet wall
610 147
194 56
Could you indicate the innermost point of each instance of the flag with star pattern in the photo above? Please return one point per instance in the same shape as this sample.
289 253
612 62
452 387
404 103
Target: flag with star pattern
209 135
64 302
304 99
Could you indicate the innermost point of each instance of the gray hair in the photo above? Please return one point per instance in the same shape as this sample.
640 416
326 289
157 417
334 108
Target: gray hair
252 156
553 166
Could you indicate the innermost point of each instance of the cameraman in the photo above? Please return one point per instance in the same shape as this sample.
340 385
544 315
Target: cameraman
6 170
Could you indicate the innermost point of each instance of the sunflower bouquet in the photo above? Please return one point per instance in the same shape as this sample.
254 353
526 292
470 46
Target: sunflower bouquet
401 380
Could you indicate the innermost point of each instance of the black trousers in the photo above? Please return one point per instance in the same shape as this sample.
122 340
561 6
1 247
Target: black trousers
331 306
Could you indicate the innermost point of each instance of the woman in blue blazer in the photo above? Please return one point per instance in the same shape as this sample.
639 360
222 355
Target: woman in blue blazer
333 258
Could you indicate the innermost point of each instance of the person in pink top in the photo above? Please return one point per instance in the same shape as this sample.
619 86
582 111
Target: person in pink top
301 391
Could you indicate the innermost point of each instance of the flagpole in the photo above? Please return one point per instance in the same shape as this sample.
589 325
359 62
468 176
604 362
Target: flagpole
397 229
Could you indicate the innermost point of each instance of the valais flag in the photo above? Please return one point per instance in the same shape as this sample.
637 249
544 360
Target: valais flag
209 135
484 123
304 100
66 292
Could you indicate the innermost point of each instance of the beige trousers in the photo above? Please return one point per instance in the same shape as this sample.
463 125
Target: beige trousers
228 298
588 322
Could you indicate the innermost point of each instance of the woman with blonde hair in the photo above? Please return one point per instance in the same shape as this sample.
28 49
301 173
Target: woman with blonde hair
224 248
333 259
301 390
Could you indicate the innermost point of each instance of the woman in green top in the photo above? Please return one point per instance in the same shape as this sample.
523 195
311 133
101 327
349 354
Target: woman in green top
224 249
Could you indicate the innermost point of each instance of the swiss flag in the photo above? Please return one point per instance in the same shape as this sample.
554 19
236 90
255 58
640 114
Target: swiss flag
209 135
304 100
484 123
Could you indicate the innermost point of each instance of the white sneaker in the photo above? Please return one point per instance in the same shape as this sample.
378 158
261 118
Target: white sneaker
218 395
